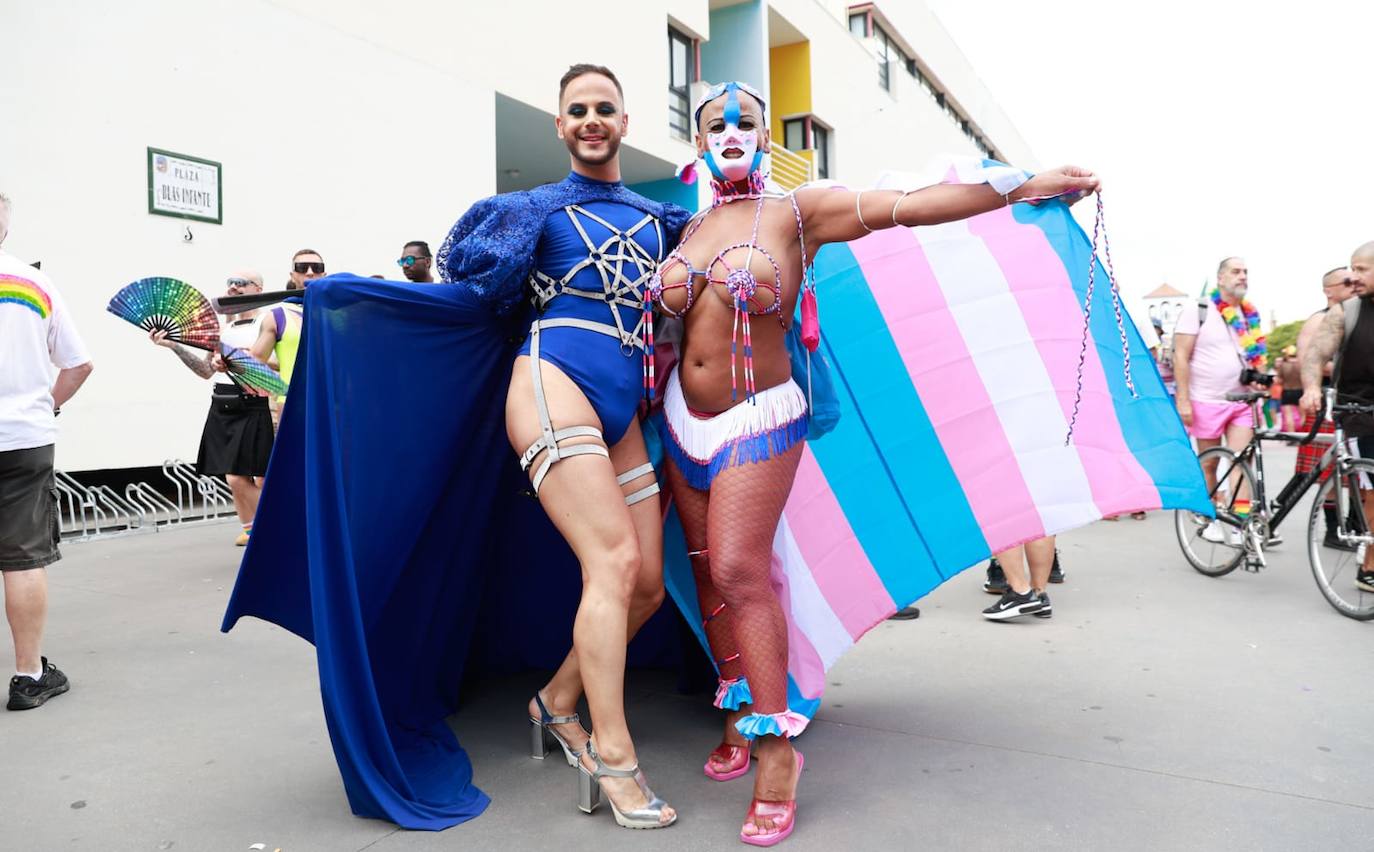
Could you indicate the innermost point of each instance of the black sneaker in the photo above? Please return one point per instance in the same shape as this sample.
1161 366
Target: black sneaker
27 693
905 614
1056 574
1364 581
1012 605
1044 612
997 579
1335 543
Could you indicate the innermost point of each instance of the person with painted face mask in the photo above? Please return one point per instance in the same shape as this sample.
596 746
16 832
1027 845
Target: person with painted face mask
736 420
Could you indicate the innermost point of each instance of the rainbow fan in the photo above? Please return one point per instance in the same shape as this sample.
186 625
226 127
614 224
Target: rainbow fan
166 304
249 373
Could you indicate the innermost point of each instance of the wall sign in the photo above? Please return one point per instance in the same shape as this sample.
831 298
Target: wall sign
185 187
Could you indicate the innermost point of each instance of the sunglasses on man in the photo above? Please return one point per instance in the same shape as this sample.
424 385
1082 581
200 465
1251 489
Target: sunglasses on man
240 283
408 262
304 266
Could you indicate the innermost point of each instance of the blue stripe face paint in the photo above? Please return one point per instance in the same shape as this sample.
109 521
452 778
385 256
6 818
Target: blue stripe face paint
732 138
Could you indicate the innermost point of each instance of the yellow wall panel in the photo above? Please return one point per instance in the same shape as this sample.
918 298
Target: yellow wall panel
789 71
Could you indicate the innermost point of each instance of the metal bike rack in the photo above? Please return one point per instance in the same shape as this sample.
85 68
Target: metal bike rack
89 512
153 504
216 500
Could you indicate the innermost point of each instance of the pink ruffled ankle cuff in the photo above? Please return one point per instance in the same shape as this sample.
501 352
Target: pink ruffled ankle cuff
733 694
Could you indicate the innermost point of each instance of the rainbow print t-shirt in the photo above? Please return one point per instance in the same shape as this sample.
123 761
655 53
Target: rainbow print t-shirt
24 292
37 338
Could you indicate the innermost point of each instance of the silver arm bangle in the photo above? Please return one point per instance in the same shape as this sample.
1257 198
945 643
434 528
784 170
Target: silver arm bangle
897 204
860 212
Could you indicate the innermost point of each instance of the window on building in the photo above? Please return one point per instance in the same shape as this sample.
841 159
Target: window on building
820 140
682 72
858 24
805 133
886 49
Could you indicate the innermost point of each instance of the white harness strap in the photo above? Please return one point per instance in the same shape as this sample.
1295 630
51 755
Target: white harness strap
631 475
550 442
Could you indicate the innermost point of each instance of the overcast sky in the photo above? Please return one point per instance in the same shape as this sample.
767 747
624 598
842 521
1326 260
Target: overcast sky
1218 128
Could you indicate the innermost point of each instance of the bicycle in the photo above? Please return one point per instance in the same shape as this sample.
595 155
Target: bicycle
1217 547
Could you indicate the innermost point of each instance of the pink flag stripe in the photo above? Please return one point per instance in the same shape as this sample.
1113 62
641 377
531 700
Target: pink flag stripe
947 380
1036 276
843 572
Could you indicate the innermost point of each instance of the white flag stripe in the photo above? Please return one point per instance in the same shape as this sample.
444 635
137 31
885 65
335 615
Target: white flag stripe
1017 382
811 612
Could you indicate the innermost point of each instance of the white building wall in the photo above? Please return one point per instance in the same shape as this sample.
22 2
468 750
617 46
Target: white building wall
327 140
522 48
350 127
936 49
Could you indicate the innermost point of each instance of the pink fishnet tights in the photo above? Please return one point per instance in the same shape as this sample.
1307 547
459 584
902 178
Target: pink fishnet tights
737 519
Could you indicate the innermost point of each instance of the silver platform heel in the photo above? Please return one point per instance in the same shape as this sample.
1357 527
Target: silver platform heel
543 737
589 794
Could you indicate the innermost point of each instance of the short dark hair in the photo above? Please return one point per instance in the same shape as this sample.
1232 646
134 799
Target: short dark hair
419 244
306 251
582 68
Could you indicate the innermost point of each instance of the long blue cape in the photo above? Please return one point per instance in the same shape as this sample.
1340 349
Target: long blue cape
392 531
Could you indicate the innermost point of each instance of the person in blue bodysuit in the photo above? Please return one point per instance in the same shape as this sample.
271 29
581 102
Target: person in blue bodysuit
401 548
571 413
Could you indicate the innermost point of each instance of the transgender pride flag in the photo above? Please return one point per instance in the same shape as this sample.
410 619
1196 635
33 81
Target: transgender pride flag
955 351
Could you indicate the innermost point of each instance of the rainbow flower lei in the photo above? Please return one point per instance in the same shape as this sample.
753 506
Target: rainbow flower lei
1246 324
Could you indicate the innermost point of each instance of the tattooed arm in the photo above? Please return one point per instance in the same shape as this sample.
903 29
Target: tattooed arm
1324 344
194 362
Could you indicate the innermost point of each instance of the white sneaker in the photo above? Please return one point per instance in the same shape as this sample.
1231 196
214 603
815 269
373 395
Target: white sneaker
1217 533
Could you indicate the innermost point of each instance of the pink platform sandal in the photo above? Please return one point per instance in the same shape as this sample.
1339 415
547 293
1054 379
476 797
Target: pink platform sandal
783 815
735 761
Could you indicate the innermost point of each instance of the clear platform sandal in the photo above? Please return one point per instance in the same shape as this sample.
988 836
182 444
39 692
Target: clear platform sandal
589 794
543 736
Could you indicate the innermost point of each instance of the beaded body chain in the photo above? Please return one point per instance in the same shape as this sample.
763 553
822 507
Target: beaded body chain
1100 228
741 285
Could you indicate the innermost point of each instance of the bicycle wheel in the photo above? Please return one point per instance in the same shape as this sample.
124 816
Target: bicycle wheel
1334 569
1216 547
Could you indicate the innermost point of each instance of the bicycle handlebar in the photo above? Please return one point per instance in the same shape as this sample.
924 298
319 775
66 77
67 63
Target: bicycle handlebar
1312 434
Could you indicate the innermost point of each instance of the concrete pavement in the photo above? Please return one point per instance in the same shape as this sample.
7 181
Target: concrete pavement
1158 709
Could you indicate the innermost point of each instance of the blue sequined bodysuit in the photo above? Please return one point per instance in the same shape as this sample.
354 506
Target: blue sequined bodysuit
591 267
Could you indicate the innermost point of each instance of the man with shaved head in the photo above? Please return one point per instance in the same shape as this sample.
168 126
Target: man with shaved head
1354 373
1337 286
237 439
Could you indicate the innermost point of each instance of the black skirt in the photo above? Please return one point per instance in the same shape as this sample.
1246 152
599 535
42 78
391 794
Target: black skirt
237 438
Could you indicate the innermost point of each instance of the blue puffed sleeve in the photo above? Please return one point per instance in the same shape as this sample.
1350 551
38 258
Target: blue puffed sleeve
674 219
490 250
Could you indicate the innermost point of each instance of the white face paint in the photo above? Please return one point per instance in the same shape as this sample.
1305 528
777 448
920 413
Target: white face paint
742 142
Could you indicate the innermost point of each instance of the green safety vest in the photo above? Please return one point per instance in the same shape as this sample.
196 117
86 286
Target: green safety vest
288 319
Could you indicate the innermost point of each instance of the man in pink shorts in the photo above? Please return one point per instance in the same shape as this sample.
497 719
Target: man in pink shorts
1209 356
